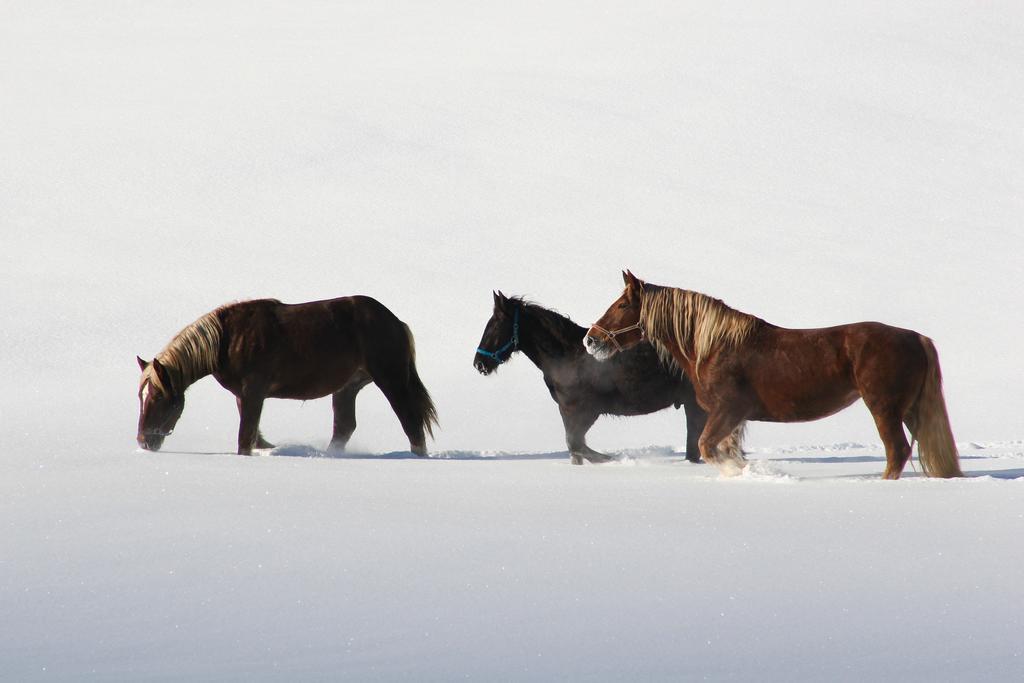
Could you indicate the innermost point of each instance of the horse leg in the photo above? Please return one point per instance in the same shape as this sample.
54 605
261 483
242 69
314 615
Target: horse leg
577 423
696 418
401 400
344 402
719 426
260 441
888 406
733 444
897 448
249 410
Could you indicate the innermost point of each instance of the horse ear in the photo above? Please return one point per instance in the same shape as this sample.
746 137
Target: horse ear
632 280
161 373
142 364
500 300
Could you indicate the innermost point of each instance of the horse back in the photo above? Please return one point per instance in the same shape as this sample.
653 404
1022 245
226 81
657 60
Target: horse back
805 374
305 350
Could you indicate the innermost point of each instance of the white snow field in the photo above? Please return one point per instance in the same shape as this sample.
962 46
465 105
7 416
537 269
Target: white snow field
200 566
807 163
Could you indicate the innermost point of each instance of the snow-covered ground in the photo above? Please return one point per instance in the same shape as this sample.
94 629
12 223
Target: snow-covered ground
203 566
808 163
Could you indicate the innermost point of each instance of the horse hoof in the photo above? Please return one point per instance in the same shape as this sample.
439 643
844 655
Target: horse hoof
730 469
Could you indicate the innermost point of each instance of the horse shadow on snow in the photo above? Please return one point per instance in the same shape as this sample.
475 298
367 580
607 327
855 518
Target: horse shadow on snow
1012 473
307 451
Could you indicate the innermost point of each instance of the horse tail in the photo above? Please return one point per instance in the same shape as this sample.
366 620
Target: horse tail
928 422
421 401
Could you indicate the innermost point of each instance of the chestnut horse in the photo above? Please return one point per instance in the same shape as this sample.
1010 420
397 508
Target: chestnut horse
632 383
266 349
744 368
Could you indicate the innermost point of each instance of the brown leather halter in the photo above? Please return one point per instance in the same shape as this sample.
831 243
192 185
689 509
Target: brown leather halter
611 334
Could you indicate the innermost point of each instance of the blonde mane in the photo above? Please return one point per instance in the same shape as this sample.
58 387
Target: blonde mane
190 355
696 323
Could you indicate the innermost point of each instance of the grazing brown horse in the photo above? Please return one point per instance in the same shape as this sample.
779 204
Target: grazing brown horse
744 368
266 349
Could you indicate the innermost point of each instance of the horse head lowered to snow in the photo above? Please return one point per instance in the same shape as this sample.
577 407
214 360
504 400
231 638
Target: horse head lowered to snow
160 405
266 349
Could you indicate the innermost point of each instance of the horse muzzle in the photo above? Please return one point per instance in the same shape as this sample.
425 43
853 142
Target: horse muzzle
151 441
598 348
483 366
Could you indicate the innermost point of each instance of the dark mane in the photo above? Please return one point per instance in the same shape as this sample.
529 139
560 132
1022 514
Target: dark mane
560 328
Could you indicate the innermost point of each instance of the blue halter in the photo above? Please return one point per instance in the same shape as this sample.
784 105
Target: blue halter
513 343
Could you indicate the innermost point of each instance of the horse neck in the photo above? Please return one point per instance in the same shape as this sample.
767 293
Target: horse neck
193 353
191 375
182 379
675 358
545 336
705 326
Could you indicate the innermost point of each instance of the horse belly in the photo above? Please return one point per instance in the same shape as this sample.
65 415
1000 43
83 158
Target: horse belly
304 392
644 402
617 393
805 377
807 407
314 382
291 376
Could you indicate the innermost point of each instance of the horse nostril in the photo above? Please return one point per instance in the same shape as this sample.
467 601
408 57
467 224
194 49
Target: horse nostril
589 340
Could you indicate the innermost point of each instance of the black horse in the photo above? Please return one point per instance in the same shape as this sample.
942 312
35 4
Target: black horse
266 349
633 382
